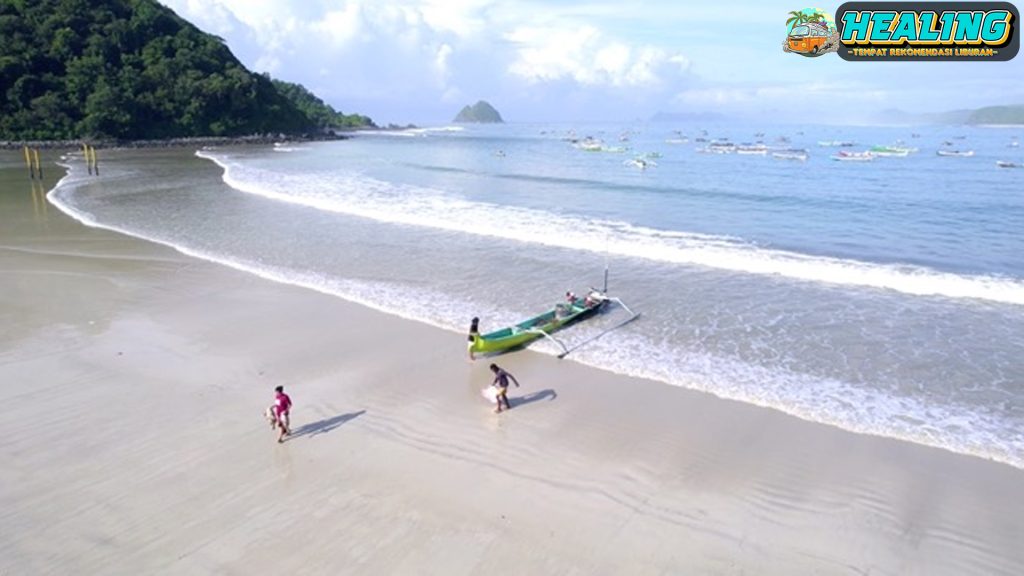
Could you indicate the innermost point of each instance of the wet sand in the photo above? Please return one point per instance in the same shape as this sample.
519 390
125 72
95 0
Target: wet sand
135 379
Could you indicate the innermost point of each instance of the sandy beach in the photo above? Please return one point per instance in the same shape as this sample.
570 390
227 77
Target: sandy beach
135 378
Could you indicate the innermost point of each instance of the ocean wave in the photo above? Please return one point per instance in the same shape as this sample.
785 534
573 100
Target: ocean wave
359 195
436 129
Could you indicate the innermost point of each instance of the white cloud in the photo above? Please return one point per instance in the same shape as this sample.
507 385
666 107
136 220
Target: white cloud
584 54
338 27
459 17
444 52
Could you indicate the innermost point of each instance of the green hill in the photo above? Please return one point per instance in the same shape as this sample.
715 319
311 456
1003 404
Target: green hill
997 115
133 69
479 112
994 115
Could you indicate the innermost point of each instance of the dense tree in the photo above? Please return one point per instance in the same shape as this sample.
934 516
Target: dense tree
132 69
314 108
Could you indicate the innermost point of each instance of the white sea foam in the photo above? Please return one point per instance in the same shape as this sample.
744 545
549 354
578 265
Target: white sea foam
436 129
856 408
366 197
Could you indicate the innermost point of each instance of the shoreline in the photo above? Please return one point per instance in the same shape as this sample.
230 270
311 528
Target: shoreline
331 135
199 141
398 465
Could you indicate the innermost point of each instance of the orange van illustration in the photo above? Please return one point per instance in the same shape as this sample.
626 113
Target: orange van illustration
808 38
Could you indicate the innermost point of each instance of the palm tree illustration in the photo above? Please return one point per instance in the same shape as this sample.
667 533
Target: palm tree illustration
818 18
796 19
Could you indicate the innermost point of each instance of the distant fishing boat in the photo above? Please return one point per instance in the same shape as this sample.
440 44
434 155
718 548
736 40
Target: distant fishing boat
853 156
682 140
590 145
752 149
836 143
1005 164
721 147
961 153
889 151
640 163
791 154
614 149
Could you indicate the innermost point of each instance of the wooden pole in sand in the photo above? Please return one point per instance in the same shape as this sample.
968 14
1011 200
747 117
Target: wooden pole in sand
95 161
42 198
88 162
39 168
35 203
28 162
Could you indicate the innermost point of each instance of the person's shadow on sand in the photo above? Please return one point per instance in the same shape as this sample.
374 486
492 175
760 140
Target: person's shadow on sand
517 401
326 425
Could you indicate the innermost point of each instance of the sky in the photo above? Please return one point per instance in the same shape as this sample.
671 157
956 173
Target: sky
420 61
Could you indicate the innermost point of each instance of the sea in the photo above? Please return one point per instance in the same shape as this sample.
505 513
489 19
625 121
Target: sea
884 297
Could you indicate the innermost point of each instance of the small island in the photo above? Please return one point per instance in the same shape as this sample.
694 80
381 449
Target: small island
481 112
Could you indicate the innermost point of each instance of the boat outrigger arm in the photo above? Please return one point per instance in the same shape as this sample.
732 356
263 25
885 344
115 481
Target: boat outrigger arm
632 316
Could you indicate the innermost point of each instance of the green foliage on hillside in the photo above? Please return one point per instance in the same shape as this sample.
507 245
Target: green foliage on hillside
322 115
128 69
998 115
479 112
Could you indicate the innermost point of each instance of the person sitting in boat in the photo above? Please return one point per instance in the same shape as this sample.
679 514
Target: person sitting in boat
570 297
593 299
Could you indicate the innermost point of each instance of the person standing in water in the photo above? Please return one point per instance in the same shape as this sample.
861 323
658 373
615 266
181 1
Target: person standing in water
282 410
501 378
474 331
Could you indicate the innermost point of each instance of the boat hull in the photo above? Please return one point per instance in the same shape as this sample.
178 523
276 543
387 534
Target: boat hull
529 330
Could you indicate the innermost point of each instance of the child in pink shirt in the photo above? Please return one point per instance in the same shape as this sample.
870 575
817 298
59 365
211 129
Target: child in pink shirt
282 407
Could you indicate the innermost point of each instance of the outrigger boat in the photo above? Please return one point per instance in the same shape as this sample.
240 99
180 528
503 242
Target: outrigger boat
543 325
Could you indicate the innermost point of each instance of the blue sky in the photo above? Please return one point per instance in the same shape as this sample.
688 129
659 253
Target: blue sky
421 60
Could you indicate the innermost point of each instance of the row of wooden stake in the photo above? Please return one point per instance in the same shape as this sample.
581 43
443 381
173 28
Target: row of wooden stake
91 163
35 169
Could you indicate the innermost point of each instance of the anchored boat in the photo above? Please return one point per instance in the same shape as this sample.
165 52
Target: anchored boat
853 156
894 151
791 154
540 326
544 324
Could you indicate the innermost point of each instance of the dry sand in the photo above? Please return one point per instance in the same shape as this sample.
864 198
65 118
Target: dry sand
134 380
